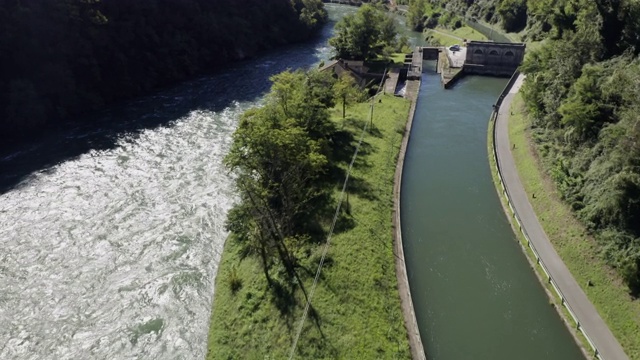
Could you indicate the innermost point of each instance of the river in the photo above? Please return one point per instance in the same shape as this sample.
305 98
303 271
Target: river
112 232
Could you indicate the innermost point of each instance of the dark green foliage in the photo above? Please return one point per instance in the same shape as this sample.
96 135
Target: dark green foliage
583 90
280 155
417 14
63 57
234 281
513 14
365 34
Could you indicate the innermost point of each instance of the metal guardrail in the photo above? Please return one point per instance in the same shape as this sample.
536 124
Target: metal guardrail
539 261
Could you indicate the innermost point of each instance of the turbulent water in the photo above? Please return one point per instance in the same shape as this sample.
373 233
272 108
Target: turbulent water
111 234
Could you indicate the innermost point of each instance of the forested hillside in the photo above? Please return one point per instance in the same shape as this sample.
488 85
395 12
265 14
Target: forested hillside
64 57
583 93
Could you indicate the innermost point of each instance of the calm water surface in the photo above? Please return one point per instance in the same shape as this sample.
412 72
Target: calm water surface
474 293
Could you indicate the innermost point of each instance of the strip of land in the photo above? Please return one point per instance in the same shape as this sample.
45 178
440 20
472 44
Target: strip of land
356 309
589 319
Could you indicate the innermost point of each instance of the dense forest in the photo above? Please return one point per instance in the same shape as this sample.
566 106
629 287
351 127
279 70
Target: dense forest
583 91
583 94
65 57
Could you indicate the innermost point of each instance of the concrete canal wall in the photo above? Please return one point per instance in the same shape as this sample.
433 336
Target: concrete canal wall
415 342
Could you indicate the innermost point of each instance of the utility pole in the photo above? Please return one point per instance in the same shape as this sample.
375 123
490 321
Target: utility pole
371 114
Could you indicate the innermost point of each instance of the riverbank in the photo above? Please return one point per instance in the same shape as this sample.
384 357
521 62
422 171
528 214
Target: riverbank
584 310
98 62
576 247
356 309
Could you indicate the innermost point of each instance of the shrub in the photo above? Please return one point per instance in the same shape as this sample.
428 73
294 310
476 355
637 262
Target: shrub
234 281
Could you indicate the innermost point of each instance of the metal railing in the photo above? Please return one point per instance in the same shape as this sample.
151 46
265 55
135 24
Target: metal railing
505 191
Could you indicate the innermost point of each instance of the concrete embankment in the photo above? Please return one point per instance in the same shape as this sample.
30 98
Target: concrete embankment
415 342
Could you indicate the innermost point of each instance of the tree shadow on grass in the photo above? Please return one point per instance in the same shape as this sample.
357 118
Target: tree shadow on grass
362 188
283 297
315 345
359 124
343 145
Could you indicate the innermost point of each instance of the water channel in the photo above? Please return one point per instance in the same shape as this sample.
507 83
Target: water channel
112 232
474 293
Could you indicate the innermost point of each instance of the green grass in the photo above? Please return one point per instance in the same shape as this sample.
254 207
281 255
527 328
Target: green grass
356 304
468 33
513 37
578 250
398 58
447 37
381 63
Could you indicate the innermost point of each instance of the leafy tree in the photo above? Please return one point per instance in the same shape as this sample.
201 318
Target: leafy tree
582 90
513 14
279 156
416 14
346 91
363 35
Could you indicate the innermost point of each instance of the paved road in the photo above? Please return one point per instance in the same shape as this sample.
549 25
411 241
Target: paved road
585 312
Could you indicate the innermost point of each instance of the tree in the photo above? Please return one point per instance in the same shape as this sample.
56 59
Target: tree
279 158
416 14
513 14
363 35
346 91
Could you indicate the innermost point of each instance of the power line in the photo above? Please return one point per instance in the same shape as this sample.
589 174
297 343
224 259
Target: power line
333 223
326 246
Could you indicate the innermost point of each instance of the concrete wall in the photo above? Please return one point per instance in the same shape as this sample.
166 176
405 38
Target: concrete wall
491 58
430 53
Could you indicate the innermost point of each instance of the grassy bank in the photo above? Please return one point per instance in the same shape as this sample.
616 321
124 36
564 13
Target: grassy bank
356 309
578 250
447 37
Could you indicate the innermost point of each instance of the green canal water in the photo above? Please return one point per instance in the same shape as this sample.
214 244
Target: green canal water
474 293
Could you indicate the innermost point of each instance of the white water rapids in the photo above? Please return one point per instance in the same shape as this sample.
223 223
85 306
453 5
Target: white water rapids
111 234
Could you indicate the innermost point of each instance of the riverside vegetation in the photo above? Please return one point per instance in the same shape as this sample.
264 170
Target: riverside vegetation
290 158
64 57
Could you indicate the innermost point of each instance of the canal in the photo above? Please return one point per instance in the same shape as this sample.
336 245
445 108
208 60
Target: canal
474 293
112 232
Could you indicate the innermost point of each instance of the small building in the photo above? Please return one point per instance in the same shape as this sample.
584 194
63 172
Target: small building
355 68
493 58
